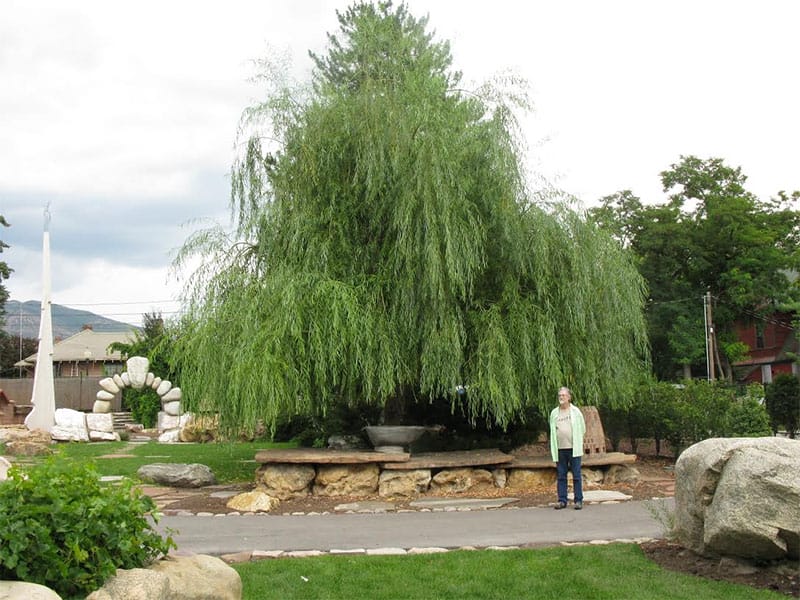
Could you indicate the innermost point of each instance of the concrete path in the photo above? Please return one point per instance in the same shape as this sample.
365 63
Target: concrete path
227 534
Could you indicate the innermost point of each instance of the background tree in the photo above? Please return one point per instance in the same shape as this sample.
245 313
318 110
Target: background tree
7 356
710 235
13 349
153 341
386 251
5 273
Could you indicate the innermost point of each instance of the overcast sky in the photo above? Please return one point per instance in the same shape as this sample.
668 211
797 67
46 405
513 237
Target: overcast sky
122 115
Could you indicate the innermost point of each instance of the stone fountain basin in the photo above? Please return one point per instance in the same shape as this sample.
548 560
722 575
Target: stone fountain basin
393 438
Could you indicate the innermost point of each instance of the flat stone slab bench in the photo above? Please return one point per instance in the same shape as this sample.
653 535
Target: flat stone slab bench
447 460
403 461
588 460
327 457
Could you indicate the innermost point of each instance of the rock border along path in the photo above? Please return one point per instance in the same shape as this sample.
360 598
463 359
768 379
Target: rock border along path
254 555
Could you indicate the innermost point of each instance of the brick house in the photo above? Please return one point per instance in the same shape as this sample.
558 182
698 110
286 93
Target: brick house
773 344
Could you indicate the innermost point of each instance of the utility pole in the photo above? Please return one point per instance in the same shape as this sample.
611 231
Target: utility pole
710 340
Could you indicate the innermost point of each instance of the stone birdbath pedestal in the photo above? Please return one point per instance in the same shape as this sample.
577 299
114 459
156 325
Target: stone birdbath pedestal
394 438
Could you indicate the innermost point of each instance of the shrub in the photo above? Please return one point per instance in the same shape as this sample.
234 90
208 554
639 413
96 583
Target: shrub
144 405
61 527
748 418
783 403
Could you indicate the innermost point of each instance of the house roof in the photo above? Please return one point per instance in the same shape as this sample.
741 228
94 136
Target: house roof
86 345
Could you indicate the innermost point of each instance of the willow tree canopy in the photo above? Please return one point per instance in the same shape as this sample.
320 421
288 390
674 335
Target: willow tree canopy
387 251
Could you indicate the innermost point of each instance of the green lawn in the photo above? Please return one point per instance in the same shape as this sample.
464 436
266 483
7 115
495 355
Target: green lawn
613 572
230 463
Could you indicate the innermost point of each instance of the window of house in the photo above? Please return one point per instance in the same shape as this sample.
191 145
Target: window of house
110 369
759 335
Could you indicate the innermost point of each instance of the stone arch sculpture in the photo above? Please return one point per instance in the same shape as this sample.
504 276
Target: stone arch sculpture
138 376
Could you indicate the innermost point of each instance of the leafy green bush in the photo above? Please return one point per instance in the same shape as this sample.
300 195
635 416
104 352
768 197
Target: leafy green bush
748 418
144 405
687 413
783 403
60 527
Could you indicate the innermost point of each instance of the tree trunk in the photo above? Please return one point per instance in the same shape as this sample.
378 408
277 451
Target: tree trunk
394 409
727 374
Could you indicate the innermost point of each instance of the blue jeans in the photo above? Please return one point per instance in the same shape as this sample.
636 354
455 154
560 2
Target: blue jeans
567 462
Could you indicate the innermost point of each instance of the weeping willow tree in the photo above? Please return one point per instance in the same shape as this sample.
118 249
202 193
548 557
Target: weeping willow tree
386 251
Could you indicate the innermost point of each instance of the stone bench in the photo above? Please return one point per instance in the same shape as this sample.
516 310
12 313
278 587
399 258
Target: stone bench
448 460
327 457
602 459
287 473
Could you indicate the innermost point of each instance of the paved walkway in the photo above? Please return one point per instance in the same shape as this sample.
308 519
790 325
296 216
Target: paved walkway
272 535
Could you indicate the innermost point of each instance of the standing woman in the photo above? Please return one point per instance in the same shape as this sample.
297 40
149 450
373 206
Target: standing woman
567 428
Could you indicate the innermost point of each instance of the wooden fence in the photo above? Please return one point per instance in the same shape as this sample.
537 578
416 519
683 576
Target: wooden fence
78 393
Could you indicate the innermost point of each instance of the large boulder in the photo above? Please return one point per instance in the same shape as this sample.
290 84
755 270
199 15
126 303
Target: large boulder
739 497
527 479
197 577
133 584
200 577
4 467
21 442
454 481
621 474
137 371
12 433
20 590
177 474
285 481
346 480
403 483
70 426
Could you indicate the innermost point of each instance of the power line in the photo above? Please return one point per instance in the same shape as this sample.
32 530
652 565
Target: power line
766 319
117 303
654 302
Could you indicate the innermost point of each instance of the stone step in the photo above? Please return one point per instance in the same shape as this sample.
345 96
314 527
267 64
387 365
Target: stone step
121 419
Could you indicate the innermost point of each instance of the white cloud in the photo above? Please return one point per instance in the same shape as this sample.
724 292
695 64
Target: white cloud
123 115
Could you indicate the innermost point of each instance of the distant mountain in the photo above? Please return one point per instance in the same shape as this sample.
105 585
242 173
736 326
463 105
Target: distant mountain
22 318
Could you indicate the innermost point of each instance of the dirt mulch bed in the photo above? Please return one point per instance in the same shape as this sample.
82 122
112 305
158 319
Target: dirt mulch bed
783 578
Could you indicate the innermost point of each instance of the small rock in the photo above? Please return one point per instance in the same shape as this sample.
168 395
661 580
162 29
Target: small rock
255 501
237 557
178 475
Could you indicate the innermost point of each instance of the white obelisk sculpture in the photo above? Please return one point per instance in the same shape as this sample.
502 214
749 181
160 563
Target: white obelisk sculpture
44 395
